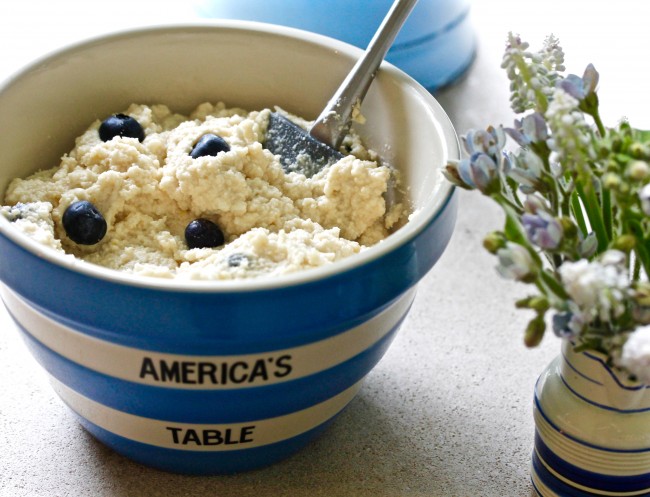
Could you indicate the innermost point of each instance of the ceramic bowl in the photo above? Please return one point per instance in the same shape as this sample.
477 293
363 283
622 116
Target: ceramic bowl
215 377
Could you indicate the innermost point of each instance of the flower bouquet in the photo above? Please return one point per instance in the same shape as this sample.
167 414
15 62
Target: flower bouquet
576 198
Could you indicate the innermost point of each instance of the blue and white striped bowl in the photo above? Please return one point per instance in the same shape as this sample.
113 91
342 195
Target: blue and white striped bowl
215 377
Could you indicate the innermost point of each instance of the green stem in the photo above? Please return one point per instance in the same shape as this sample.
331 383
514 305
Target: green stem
636 272
515 232
578 214
594 214
641 249
507 204
553 285
607 212
599 124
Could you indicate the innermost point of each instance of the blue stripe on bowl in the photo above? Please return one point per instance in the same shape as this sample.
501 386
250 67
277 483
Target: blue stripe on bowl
596 481
203 463
194 406
188 322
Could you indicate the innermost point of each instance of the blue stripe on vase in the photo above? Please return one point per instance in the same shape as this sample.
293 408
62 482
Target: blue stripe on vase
538 406
192 406
554 484
611 373
203 463
601 406
597 481
579 373
535 489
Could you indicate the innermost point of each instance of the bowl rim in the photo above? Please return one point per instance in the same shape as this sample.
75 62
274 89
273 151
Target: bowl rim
418 220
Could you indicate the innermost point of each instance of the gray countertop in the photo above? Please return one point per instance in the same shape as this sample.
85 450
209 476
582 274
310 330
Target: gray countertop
447 412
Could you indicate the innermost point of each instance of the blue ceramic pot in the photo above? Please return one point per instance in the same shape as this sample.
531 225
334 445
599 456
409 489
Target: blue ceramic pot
435 46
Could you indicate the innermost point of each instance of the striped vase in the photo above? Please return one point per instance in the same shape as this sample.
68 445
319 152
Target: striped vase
592 435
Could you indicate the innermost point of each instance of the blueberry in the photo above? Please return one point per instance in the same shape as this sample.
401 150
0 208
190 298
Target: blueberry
83 223
202 233
209 145
237 259
120 125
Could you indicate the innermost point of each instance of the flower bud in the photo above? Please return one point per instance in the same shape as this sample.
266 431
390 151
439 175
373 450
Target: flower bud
641 314
451 173
611 181
494 241
516 263
588 246
641 293
568 227
638 170
625 243
535 331
537 303
639 150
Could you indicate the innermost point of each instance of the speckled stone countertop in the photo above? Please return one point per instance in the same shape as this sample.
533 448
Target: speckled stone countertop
447 412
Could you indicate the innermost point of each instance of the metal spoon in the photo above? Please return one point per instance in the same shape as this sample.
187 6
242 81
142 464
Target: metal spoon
309 152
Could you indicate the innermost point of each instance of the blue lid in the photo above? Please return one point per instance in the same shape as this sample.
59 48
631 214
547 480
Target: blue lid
435 45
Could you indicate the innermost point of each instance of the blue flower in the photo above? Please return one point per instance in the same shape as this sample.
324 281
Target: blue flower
567 324
478 172
489 142
527 169
534 203
531 129
481 172
580 88
543 230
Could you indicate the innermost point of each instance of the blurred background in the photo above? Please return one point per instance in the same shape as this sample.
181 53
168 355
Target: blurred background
448 410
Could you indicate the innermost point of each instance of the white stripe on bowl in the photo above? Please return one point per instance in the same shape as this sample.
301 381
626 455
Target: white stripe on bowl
204 437
199 372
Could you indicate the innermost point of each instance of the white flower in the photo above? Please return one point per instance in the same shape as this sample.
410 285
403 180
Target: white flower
597 288
571 142
635 357
531 88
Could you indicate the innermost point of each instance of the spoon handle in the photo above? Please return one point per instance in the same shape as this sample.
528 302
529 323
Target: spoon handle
333 123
